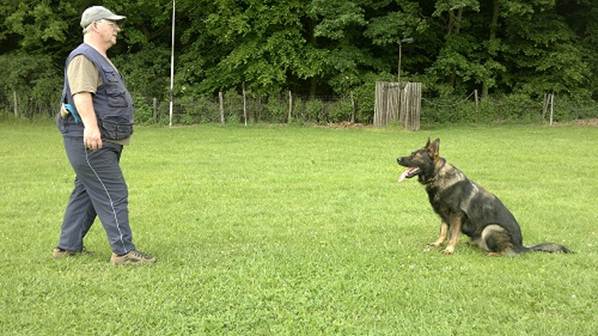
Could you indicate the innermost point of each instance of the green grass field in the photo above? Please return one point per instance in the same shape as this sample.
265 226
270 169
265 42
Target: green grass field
301 231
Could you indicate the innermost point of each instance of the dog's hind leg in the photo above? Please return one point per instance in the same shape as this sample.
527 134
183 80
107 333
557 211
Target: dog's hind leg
496 241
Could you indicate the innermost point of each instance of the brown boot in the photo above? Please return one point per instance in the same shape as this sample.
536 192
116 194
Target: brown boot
59 253
133 257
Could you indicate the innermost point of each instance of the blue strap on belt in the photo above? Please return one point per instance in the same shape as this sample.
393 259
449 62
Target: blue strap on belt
73 112
69 107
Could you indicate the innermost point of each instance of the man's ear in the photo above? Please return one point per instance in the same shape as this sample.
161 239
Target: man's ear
434 148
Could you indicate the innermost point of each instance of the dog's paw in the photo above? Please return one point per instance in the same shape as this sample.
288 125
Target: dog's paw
431 247
449 250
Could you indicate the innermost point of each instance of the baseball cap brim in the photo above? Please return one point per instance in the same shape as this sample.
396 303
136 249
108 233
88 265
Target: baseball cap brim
96 13
115 17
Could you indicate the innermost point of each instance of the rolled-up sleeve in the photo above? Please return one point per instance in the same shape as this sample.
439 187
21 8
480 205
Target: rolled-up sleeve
83 75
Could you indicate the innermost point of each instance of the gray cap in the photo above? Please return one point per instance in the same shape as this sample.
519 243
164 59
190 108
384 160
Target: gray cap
96 13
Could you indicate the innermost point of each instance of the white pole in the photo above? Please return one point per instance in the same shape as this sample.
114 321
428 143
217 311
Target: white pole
172 66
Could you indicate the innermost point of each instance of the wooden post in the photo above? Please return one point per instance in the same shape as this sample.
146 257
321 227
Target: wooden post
394 110
399 67
244 105
221 98
551 108
155 105
377 105
477 104
15 106
545 106
352 108
388 101
290 107
403 117
419 105
403 92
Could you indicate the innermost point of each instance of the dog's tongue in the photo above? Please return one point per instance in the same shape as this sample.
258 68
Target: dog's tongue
403 176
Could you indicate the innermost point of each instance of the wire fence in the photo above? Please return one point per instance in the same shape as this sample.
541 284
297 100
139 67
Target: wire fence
233 107
514 107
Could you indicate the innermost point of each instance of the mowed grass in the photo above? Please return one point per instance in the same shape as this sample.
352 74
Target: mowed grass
301 231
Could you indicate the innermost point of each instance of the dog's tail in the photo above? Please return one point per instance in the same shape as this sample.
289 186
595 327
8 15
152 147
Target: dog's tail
546 247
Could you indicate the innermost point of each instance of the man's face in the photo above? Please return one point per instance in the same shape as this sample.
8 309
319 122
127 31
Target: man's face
108 30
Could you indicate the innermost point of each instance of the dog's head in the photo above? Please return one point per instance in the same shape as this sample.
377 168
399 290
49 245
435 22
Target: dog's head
421 163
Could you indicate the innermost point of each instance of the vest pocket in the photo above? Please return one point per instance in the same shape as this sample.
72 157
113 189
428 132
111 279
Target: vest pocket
116 98
116 94
115 128
110 74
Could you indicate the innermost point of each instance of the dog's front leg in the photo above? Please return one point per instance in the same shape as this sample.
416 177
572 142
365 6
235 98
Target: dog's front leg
456 221
441 236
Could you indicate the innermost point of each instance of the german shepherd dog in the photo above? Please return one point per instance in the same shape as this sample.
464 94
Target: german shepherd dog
464 206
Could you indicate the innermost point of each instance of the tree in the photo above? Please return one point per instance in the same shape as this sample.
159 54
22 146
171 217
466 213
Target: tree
541 49
316 47
459 65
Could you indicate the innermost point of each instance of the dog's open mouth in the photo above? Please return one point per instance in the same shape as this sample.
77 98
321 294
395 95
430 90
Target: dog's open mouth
408 173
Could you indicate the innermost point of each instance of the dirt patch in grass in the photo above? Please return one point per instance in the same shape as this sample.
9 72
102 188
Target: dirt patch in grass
345 124
587 122
592 122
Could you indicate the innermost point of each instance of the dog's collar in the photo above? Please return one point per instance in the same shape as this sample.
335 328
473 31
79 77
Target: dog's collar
431 180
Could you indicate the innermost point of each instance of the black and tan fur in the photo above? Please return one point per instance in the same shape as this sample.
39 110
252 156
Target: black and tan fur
465 207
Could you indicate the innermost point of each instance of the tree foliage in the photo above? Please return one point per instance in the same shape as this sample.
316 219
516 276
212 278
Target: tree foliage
317 47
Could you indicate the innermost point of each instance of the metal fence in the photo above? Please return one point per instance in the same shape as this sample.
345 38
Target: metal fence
234 108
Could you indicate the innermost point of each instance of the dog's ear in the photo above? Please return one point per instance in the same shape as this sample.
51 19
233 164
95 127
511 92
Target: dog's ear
427 143
434 148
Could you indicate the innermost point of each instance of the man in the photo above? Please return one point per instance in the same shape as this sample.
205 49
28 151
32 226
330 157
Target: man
96 121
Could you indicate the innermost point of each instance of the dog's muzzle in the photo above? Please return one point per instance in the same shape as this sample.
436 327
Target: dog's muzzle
409 172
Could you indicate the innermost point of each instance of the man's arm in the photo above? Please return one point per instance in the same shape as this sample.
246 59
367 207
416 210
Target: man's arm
92 138
84 80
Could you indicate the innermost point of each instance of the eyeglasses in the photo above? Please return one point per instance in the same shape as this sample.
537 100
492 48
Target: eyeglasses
112 24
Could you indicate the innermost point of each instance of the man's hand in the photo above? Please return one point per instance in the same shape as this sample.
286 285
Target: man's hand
92 138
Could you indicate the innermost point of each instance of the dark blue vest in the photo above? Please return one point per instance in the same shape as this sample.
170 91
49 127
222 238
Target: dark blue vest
112 102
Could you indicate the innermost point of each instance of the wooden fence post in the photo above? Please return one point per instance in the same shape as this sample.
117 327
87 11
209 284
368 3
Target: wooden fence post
289 119
15 106
380 107
155 106
244 105
404 108
544 106
221 98
419 105
477 104
551 108
352 108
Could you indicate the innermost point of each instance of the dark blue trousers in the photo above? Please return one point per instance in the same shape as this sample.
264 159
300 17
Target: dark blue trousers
100 189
